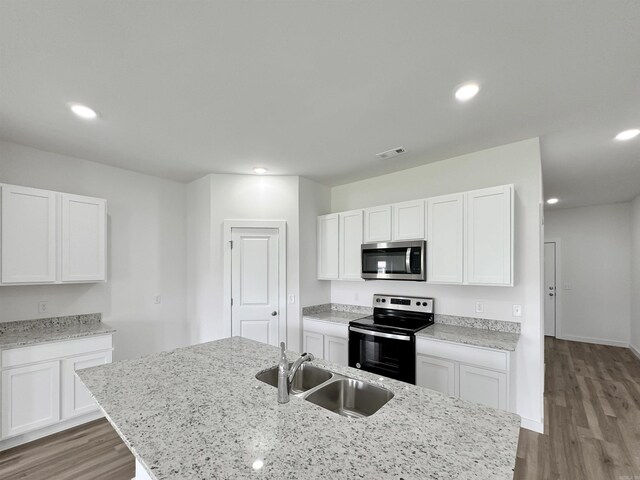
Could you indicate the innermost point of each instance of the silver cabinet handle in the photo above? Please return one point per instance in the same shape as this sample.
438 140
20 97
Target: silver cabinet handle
274 313
551 294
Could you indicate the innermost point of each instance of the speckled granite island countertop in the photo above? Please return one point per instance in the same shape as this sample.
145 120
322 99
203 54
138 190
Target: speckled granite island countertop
200 413
55 329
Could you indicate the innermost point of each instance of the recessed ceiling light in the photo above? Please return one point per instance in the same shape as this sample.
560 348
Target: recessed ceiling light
552 201
83 111
467 91
260 170
628 134
258 464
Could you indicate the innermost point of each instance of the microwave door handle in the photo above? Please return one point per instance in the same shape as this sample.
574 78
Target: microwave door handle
408 260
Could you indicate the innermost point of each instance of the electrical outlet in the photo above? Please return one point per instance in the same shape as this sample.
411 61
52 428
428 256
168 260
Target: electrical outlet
479 307
292 299
157 299
517 310
43 307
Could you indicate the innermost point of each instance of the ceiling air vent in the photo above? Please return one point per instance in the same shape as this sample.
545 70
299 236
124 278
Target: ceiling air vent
394 152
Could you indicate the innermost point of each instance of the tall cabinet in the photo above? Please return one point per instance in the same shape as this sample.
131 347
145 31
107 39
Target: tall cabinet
51 237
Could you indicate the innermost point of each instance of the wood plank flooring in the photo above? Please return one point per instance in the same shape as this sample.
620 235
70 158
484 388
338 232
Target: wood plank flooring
592 416
92 451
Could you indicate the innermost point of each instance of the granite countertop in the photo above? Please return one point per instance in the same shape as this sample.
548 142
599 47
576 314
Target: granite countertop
199 412
472 336
335 316
31 332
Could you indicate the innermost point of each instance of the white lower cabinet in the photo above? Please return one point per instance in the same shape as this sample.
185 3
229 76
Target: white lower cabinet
76 399
41 393
30 397
484 386
437 374
313 342
476 374
336 349
326 340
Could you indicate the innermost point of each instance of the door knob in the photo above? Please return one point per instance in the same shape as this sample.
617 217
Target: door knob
274 313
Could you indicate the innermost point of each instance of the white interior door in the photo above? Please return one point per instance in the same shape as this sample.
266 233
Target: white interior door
550 293
255 310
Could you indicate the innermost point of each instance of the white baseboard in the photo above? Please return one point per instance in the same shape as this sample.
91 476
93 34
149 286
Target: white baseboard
534 425
598 341
635 350
50 430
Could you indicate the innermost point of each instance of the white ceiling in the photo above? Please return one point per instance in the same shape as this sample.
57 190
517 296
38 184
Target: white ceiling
317 88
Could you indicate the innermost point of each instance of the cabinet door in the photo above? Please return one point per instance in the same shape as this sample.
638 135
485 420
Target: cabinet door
84 238
350 244
408 220
30 397
328 247
28 235
445 239
377 224
483 386
437 374
76 399
336 349
313 343
489 236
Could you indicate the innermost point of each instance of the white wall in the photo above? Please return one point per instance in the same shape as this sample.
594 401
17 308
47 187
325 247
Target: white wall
635 275
518 163
594 287
146 247
315 200
233 197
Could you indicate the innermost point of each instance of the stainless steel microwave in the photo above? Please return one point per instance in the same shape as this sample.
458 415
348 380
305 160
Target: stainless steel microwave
394 261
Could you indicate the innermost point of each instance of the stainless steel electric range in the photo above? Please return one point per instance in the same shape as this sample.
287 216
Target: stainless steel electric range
385 342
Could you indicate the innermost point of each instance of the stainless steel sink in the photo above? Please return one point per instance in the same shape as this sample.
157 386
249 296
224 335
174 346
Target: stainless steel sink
350 398
306 378
342 395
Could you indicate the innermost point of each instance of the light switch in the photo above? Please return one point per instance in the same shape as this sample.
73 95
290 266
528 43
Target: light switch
292 299
157 299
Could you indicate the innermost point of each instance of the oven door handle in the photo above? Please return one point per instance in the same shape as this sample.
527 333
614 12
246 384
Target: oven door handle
380 334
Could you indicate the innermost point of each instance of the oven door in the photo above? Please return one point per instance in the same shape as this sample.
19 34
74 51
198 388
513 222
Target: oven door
394 261
390 355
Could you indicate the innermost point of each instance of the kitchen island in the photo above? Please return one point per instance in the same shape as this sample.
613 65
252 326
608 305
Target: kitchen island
200 413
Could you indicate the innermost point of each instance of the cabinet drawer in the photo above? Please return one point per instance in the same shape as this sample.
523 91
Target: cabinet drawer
54 350
326 328
482 357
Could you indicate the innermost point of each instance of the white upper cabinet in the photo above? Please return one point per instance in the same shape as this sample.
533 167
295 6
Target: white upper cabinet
377 224
28 235
489 236
408 220
328 247
51 237
445 235
350 243
83 239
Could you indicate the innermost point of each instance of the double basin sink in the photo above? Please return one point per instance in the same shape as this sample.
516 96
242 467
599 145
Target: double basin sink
337 393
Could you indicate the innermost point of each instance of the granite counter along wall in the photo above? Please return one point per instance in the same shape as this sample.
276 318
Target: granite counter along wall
469 322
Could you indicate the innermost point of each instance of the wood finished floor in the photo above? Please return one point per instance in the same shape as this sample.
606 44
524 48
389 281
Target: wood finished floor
92 451
592 416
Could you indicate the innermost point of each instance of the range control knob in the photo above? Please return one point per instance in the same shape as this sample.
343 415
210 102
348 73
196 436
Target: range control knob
384 300
424 304
418 304
378 300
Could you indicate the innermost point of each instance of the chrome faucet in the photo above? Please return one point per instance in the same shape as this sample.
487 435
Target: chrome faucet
286 374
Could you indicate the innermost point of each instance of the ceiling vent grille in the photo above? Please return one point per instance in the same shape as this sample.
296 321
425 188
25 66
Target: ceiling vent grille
394 152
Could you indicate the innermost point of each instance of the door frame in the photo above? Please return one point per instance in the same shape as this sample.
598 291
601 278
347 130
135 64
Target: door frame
281 226
558 243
